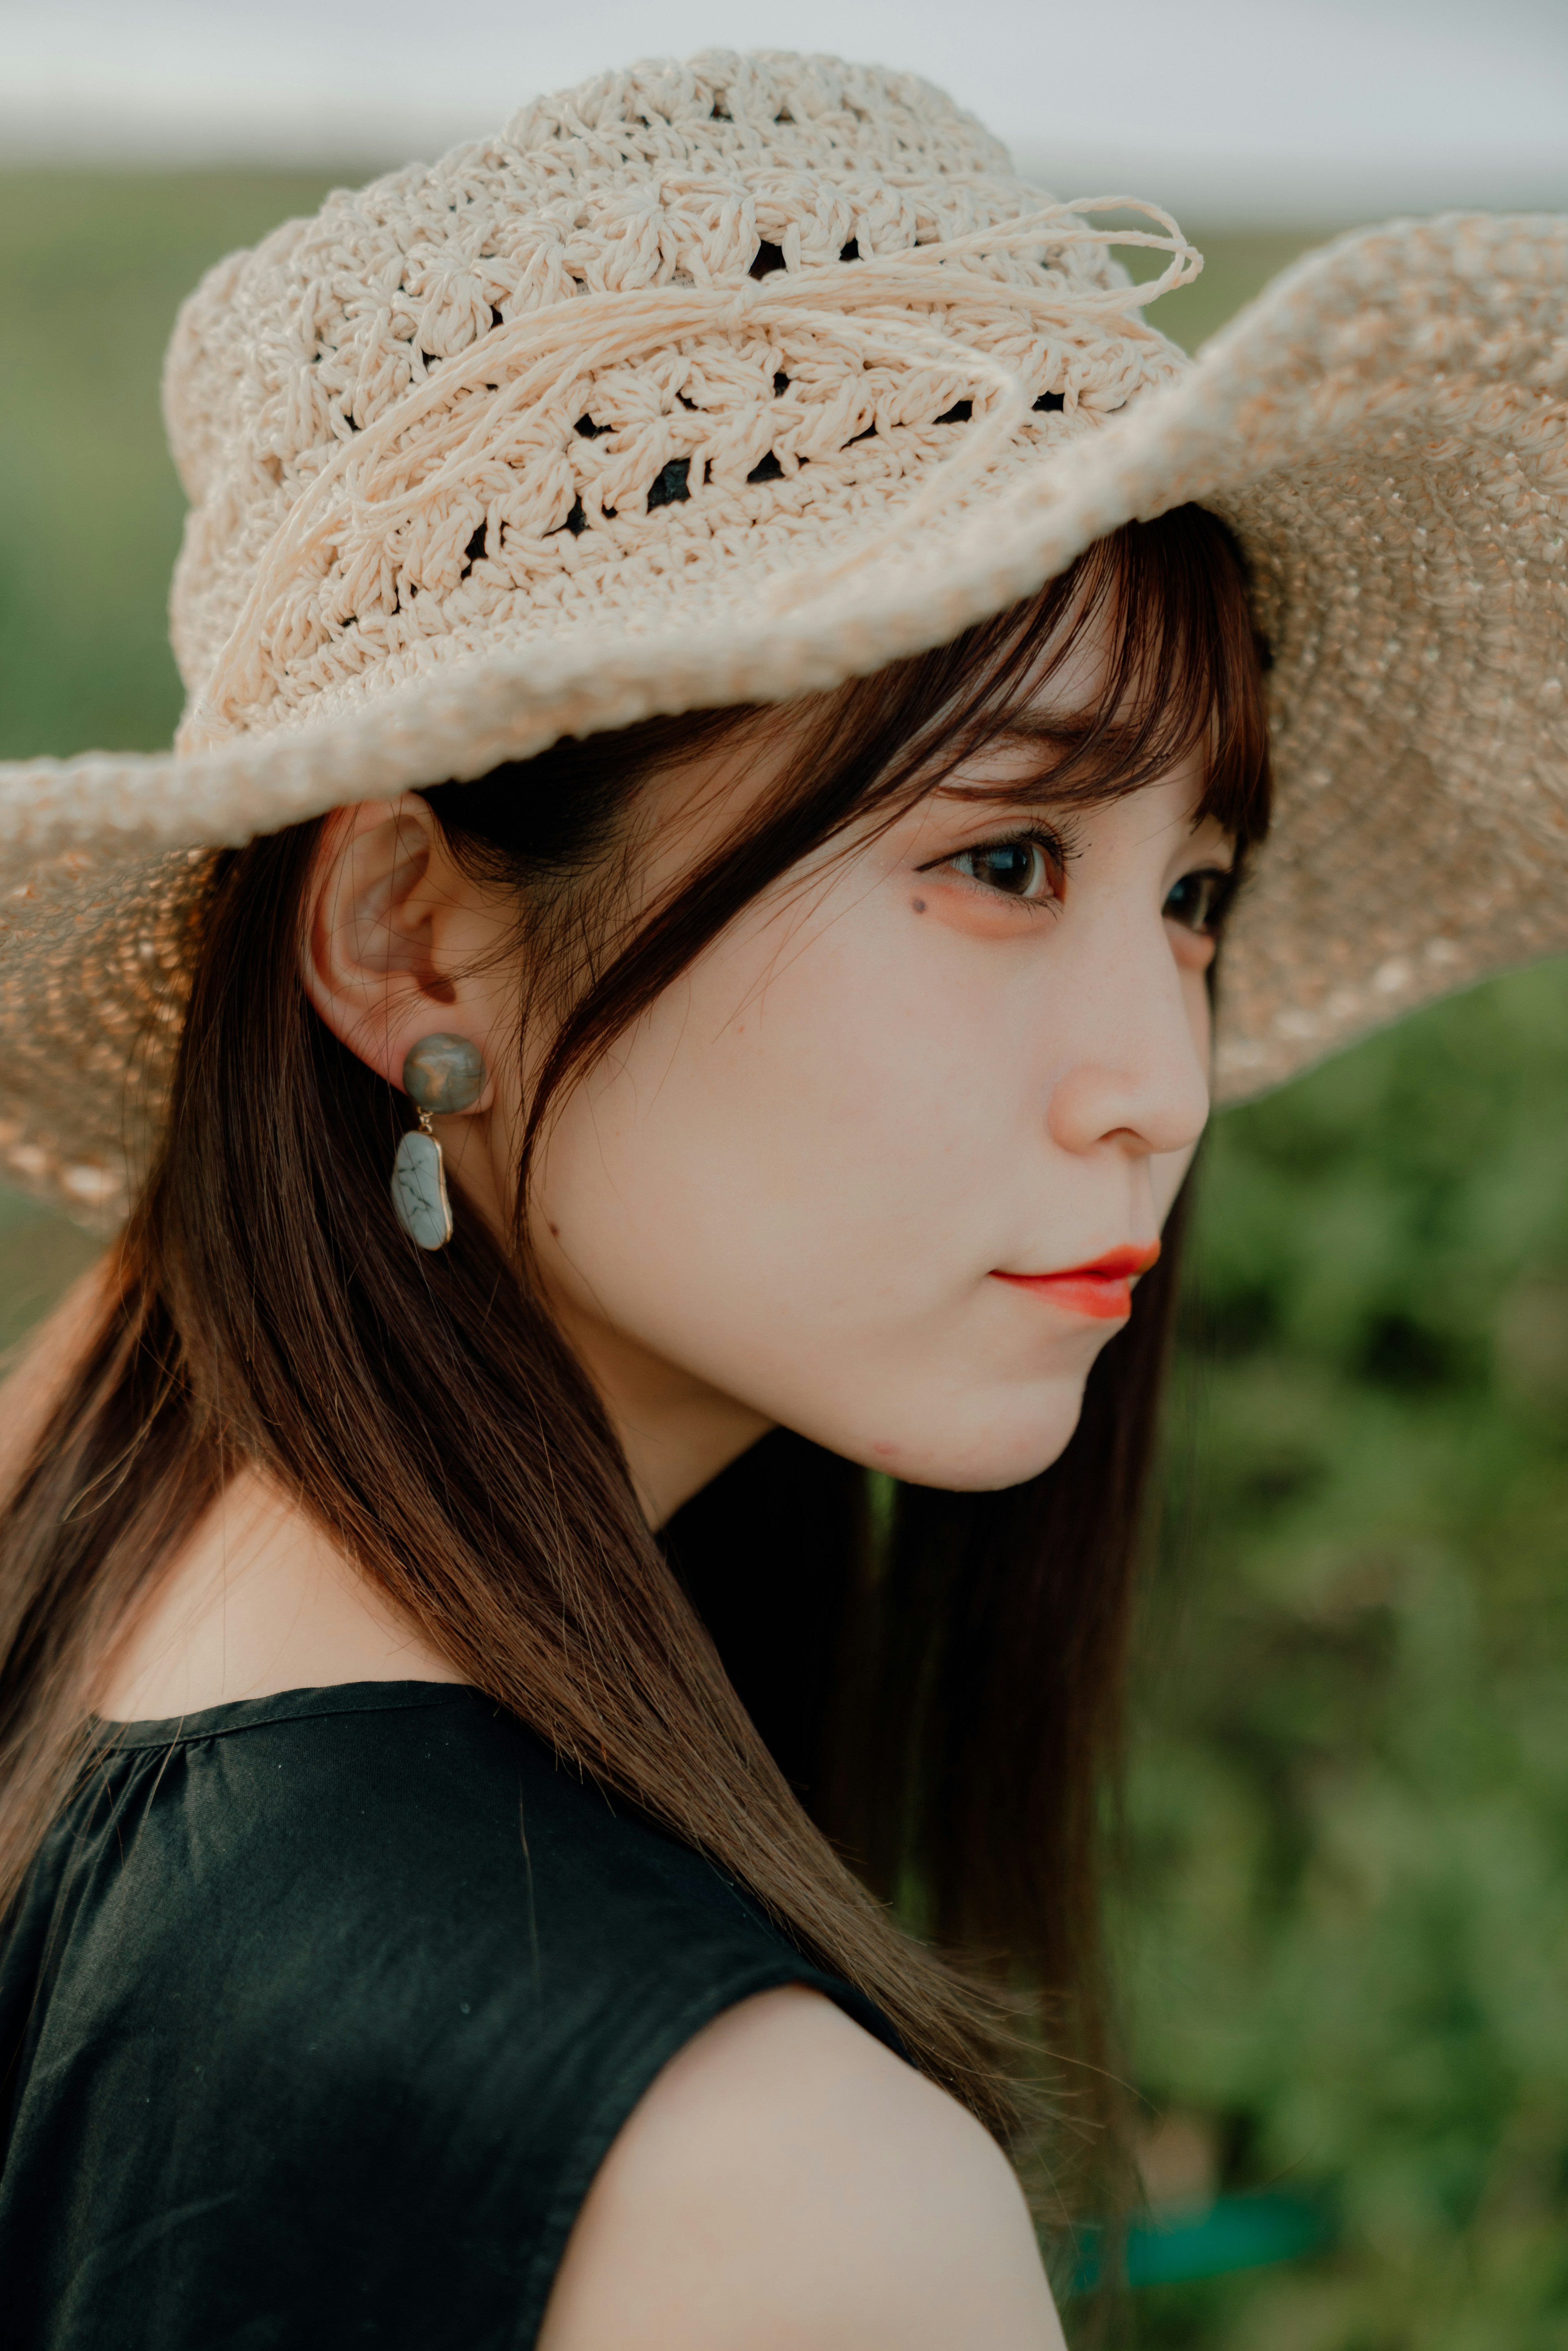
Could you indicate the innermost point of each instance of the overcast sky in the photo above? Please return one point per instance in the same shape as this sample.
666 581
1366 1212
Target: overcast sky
1247 108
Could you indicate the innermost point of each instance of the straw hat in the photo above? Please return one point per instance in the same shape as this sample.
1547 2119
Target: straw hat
729 380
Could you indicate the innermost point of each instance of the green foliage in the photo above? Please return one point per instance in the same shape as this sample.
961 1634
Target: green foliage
1346 1915
92 269
1237 266
1347 1908
40 1256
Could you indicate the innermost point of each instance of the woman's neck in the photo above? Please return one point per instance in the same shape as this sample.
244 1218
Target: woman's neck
257 1600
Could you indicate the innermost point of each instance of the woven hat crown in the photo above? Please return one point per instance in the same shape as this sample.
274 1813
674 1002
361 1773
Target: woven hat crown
669 337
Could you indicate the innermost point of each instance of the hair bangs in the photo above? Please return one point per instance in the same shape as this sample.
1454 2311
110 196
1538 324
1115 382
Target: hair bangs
1175 668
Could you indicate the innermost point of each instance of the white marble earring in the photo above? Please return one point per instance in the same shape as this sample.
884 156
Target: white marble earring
442 1075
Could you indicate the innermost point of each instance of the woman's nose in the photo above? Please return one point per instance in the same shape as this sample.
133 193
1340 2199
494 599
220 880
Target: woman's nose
1135 1069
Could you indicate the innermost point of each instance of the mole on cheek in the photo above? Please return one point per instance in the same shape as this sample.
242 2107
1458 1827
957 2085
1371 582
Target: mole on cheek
918 904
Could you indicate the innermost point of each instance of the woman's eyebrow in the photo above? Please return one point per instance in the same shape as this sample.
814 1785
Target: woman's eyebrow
1031 726
1033 779
1054 731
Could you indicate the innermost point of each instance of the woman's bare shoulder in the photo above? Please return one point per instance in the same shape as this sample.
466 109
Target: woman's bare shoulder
253 1601
788 2180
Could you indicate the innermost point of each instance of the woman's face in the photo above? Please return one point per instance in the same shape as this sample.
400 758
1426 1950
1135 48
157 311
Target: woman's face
820 1184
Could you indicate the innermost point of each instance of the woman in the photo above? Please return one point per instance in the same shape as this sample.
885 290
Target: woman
661 1012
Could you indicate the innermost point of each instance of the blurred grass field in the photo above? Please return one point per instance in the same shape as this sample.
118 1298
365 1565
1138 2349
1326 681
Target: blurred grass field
1345 1916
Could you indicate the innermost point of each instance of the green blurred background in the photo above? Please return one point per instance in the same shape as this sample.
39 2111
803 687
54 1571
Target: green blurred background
1344 1922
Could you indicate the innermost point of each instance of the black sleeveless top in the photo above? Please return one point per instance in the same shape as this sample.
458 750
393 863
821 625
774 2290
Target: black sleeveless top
317 2015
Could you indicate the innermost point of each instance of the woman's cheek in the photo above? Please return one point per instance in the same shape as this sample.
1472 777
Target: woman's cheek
1197 996
782 1151
953 904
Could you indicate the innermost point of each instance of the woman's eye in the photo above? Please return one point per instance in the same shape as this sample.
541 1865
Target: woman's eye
1197 901
1019 869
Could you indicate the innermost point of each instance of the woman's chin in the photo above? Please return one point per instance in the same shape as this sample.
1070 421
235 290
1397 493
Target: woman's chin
979 1448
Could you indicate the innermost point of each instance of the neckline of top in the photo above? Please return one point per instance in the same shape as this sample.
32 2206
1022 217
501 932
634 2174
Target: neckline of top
281 1706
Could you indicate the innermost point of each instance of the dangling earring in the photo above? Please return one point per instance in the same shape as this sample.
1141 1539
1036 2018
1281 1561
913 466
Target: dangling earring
441 1075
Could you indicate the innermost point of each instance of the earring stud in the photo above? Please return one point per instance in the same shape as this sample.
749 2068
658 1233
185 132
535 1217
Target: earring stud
443 1075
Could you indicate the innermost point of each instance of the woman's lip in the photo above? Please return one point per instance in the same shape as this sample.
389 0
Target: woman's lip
1101 1289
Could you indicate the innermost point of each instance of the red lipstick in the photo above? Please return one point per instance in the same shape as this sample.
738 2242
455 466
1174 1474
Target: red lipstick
1103 1290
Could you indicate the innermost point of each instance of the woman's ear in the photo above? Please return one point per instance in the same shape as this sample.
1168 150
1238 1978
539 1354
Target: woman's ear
399 942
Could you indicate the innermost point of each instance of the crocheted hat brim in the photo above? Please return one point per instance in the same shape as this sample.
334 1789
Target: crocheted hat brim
1385 430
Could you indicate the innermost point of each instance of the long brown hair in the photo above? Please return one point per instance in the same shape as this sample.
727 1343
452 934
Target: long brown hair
850 1697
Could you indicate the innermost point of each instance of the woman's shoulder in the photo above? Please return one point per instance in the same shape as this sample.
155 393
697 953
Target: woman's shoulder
410 1833
787 2180
372 1984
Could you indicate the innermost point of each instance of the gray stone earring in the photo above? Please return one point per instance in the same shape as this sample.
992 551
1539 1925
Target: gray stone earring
441 1075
